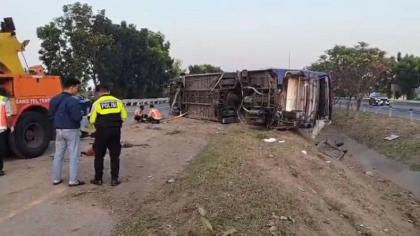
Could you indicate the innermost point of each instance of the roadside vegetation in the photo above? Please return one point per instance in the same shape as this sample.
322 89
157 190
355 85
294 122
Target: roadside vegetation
220 194
371 130
241 185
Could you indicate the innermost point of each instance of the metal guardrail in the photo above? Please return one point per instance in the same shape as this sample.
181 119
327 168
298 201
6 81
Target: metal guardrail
411 113
146 101
413 103
162 103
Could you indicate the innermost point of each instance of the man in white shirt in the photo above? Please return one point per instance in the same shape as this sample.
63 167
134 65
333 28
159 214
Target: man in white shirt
139 115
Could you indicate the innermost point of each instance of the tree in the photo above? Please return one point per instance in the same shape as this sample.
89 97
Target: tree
138 64
203 69
69 44
90 46
177 69
407 74
356 71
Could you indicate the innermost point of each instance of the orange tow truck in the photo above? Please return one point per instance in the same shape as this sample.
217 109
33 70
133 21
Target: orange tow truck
30 130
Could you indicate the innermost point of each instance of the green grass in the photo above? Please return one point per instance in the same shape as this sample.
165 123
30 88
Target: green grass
371 130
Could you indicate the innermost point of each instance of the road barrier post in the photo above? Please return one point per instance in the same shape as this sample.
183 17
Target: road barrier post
390 112
411 115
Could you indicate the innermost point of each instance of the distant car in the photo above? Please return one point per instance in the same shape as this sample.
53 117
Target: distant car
377 99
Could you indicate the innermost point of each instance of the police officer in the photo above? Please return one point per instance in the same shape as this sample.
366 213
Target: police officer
108 114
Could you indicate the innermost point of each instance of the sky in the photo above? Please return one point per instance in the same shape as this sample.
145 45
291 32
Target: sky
245 34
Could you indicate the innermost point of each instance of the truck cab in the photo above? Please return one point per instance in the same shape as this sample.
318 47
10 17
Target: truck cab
30 131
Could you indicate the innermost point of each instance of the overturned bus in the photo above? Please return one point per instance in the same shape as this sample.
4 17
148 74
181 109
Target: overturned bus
274 98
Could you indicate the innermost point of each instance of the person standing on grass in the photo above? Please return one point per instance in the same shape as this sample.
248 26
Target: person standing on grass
108 113
66 113
5 112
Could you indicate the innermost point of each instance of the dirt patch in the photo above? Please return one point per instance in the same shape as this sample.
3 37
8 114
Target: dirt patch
30 205
254 188
371 130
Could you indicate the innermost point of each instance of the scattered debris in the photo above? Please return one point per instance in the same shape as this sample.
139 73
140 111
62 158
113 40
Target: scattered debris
369 173
283 217
274 216
81 193
339 143
411 218
289 218
273 229
127 145
88 151
202 211
207 223
293 171
173 132
331 150
282 141
130 145
229 232
328 162
304 152
176 117
270 156
153 127
269 140
386 230
171 181
392 137
301 189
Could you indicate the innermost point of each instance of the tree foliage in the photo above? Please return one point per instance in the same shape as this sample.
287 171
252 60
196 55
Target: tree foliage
357 70
407 74
203 69
90 46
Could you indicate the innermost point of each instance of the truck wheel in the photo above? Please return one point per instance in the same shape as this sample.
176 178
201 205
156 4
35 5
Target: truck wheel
31 136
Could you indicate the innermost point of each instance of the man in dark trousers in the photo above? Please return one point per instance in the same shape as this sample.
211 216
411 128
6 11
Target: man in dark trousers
108 113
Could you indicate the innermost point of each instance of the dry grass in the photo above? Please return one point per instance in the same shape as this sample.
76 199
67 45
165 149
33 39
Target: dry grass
223 182
372 129
250 187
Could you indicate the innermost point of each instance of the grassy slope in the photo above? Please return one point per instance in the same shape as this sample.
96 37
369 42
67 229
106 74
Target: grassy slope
242 183
223 182
371 130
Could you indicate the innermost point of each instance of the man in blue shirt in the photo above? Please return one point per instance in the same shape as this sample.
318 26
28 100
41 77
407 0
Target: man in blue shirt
66 114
